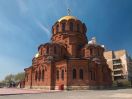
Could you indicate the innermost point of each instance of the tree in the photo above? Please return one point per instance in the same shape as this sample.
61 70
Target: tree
14 78
10 78
19 77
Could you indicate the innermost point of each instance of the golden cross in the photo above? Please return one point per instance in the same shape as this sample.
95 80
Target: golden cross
69 11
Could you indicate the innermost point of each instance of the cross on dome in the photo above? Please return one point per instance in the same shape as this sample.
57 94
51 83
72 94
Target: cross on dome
69 11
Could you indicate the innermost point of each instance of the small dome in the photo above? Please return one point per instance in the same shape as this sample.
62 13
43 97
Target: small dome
93 41
37 55
67 18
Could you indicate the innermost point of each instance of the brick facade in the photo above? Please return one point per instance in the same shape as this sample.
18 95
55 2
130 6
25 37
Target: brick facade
68 61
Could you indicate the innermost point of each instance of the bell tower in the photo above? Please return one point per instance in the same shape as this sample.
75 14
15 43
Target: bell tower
71 33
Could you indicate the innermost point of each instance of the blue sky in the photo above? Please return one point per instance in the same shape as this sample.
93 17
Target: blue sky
25 24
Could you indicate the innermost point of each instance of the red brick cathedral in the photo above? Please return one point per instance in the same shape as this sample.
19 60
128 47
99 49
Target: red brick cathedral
68 61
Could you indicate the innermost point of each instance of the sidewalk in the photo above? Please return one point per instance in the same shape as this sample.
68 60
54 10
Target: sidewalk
16 91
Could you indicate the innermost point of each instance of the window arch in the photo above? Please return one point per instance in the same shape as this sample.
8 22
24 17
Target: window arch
78 28
57 75
71 26
63 27
47 50
61 51
39 75
57 28
98 52
36 75
91 51
62 74
74 74
81 74
55 50
43 74
92 75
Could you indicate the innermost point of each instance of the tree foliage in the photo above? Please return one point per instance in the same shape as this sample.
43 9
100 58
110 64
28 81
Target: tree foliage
9 78
14 77
19 76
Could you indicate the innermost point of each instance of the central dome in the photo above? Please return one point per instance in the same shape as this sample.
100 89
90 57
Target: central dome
67 18
68 24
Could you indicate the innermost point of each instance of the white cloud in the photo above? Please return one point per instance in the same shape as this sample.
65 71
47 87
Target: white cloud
24 9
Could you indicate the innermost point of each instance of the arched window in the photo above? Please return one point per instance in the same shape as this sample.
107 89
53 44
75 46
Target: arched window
74 74
98 52
57 28
36 75
39 75
47 50
91 51
43 74
71 26
61 51
57 75
78 28
62 74
63 27
81 74
92 75
55 50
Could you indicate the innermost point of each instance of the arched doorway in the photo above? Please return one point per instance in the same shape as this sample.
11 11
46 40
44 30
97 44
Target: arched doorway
61 87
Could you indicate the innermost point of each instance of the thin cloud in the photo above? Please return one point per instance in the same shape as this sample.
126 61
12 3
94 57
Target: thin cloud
44 28
24 9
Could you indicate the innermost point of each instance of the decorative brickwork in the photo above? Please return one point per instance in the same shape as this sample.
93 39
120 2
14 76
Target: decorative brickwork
68 61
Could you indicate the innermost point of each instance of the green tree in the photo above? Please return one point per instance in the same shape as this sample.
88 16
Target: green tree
19 77
14 78
10 78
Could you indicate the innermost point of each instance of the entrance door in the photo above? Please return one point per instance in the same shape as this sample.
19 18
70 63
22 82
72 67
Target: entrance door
61 87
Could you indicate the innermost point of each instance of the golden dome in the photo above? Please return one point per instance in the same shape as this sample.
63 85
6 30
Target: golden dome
67 18
37 55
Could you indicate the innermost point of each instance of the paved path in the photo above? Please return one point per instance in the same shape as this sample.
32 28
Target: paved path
15 91
79 94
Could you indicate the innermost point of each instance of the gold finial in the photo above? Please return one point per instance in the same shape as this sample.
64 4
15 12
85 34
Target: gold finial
69 11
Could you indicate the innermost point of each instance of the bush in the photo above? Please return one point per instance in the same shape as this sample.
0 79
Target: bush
121 83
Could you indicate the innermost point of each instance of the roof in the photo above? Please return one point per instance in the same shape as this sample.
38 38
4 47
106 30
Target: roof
67 18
